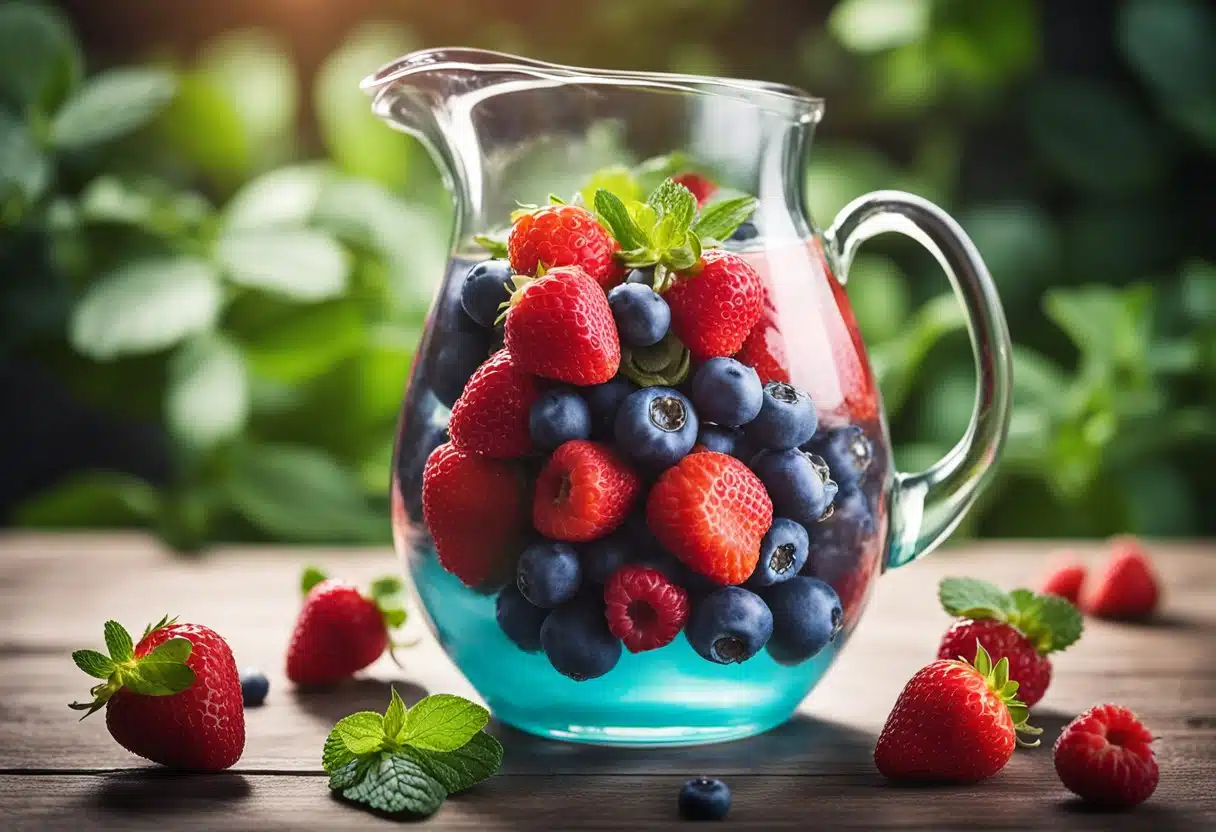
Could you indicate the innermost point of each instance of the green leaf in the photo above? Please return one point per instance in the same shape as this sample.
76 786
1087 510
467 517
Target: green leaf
720 219
24 171
617 179
1169 42
443 722
397 783
144 306
111 105
40 60
495 243
148 204
208 396
386 587
394 717
283 198
974 599
874 25
613 214
303 342
310 577
362 732
90 500
157 678
676 207
468 765
301 264
352 769
97 665
1051 622
118 642
172 651
336 755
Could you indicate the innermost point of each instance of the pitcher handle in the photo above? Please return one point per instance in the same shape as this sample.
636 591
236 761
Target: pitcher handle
927 506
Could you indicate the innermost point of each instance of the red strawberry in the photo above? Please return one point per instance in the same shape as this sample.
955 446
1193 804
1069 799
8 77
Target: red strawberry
189 714
584 491
714 308
560 326
1105 757
644 609
339 630
476 511
711 512
764 351
702 187
491 415
1019 626
1065 581
563 235
1126 588
953 723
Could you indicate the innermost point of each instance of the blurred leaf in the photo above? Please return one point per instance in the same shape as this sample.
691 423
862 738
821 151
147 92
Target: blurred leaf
90 500
879 296
40 60
906 80
1020 245
1160 502
1146 229
145 306
302 264
374 469
1093 137
982 43
897 363
1172 44
306 344
873 25
204 127
208 397
1199 290
111 105
945 408
838 174
1108 326
24 170
286 197
148 204
1036 378
298 493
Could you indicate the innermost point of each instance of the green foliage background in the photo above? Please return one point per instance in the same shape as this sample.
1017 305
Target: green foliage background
176 254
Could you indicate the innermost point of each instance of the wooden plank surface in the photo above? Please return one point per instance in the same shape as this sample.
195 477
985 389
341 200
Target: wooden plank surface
816 770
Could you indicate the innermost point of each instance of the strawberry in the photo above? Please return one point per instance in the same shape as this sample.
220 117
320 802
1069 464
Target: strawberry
1018 626
645 610
173 698
339 630
1126 588
1064 580
954 722
701 187
764 351
563 235
476 512
491 415
711 512
584 491
560 327
715 305
1104 756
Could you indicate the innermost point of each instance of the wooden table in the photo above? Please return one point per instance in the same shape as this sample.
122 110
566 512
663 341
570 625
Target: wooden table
815 772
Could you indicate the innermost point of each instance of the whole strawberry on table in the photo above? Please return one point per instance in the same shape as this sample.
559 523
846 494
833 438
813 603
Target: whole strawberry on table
632 461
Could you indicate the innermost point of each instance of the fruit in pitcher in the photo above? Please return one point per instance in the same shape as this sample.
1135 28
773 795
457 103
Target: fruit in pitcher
711 512
1065 581
548 574
462 349
656 427
783 551
847 451
764 350
642 316
491 416
645 610
715 305
577 641
953 722
837 538
486 288
557 417
727 392
602 557
704 798
807 617
1126 587
720 440
519 619
729 625
1105 757
560 327
701 187
173 698
584 491
605 400
562 235
787 418
796 484
476 511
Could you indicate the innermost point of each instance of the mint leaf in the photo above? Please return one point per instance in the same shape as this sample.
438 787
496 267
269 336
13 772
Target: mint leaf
974 599
1052 623
495 242
618 179
393 783
672 200
443 722
613 214
350 772
310 577
719 220
466 766
394 717
335 754
97 665
651 172
118 642
362 732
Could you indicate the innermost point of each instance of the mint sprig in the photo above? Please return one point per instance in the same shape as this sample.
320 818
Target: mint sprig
161 671
1051 623
410 759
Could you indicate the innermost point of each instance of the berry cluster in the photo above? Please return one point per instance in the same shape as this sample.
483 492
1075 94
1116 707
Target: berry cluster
633 462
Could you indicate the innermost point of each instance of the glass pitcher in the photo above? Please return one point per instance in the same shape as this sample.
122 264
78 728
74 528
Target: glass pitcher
507 131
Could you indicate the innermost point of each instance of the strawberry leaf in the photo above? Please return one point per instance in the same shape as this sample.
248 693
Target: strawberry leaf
118 642
720 219
157 678
97 665
385 587
310 577
615 216
394 717
974 599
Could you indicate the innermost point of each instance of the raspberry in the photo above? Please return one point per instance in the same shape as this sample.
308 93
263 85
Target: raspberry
644 609
1104 756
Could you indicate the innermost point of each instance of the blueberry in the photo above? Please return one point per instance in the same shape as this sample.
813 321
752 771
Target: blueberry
722 440
549 574
643 276
787 418
731 624
847 451
639 532
727 392
605 400
656 427
837 541
557 417
807 616
783 551
576 639
457 354
254 686
705 798
485 289
747 230
795 484
602 557
642 317
519 618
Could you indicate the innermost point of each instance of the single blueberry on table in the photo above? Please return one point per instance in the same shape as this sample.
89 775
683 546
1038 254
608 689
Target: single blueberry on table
807 617
727 392
460 352
729 625
485 289
656 427
722 440
605 400
519 618
549 573
786 420
704 798
254 687
602 557
557 417
796 485
577 641
642 317
847 451
783 551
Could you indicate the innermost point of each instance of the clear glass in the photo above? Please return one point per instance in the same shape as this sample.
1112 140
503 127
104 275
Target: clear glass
507 130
